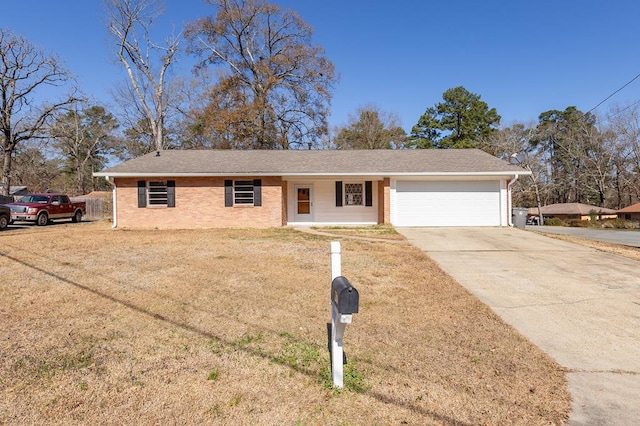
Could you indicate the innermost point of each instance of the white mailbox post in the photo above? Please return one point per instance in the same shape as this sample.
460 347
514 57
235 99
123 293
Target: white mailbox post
344 303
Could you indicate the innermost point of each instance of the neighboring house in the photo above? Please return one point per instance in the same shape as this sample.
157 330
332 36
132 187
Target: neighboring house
18 191
267 188
574 211
631 212
14 193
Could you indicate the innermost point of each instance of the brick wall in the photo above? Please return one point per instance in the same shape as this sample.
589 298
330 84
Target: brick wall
199 204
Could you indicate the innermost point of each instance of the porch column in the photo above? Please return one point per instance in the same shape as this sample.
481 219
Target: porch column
285 203
384 201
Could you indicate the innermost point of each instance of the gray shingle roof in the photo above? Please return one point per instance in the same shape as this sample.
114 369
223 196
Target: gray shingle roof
312 162
633 208
571 208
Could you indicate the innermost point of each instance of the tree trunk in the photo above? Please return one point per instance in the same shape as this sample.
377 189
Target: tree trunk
6 173
159 133
538 203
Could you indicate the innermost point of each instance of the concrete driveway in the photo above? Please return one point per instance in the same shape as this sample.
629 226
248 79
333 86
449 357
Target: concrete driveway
577 304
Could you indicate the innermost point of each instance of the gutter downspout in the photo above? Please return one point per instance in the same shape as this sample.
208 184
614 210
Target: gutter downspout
509 201
113 195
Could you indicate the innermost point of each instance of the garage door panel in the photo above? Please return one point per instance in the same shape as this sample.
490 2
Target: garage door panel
473 203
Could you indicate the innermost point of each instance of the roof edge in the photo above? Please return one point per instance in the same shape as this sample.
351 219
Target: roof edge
255 173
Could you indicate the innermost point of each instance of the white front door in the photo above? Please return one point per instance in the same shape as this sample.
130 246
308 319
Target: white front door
303 208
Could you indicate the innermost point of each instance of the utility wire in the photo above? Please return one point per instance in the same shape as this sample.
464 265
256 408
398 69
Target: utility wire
609 117
611 95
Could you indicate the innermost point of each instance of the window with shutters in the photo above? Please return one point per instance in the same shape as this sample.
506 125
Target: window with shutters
243 192
157 193
238 193
353 194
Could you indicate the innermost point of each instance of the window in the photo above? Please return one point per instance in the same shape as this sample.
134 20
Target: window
157 193
353 194
243 193
40 199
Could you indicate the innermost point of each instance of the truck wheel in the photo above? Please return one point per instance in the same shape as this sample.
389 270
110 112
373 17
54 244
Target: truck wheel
43 219
77 217
4 222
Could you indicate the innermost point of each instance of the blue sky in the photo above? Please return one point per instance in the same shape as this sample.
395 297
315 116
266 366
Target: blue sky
521 57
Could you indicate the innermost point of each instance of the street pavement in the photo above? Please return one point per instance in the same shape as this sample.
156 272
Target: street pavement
625 237
579 305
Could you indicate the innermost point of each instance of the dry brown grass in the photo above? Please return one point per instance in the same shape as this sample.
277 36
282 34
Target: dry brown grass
104 326
384 232
619 249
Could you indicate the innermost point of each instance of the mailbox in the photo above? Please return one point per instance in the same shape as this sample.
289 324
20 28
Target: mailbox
344 296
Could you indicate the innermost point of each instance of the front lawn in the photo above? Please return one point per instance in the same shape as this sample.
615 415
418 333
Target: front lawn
103 326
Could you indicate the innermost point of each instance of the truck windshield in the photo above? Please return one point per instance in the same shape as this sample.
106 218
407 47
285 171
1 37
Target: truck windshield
43 199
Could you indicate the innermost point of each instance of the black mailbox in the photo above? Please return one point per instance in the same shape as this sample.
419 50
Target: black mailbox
344 296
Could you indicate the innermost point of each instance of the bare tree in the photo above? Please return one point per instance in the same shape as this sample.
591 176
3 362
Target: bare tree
25 71
191 97
371 128
624 124
36 168
513 144
145 61
597 153
273 89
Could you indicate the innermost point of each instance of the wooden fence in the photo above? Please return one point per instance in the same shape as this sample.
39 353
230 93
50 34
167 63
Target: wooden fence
97 208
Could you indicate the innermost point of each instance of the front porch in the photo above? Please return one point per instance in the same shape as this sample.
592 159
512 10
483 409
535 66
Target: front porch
346 200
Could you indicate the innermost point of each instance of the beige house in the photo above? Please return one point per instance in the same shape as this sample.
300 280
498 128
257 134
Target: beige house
631 212
260 188
574 211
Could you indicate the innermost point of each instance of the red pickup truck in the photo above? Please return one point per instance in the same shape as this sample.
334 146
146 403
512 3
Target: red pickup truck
43 208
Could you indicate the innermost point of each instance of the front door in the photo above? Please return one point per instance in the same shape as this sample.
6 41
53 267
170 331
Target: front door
304 204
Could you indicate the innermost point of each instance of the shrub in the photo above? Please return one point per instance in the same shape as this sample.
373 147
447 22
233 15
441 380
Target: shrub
577 223
553 221
620 224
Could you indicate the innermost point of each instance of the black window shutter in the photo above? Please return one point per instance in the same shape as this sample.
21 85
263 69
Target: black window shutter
171 193
257 192
228 193
142 194
338 193
368 193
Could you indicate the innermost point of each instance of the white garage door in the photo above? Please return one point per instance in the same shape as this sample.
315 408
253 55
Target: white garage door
473 203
